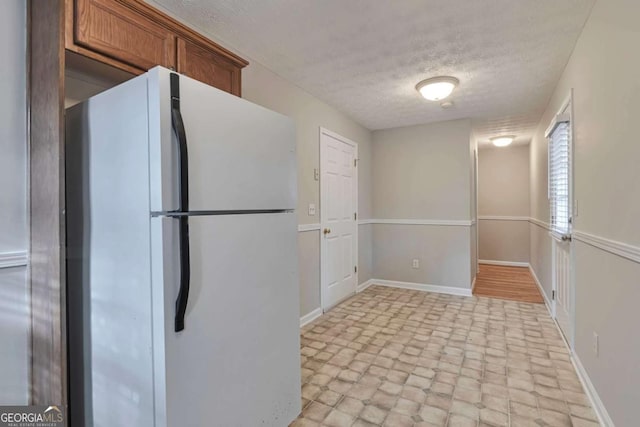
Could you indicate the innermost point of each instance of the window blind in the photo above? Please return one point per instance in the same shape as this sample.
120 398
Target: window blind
559 170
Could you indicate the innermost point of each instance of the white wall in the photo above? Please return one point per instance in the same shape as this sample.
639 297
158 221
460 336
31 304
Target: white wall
14 292
603 71
423 173
503 191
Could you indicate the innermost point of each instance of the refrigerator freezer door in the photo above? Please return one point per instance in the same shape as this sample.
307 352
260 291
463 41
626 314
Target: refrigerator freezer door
241 156
237 361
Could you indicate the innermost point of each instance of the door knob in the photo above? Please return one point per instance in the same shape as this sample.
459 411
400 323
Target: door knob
327 231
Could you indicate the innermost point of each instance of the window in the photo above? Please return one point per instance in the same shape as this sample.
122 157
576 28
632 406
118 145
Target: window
559 174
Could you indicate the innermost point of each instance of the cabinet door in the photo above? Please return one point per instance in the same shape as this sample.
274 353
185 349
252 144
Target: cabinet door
208 67
113 29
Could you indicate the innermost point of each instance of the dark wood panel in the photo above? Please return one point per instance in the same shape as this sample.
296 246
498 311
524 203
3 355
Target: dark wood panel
512 283
46 195
113 29
204 65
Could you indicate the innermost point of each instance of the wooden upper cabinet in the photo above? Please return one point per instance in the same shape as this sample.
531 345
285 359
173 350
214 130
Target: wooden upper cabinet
134 36
201 64
111 28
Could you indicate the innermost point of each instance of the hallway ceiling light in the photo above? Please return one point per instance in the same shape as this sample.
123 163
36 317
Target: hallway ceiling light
437 88
502 141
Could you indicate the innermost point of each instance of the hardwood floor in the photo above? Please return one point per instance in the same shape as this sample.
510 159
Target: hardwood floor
511 283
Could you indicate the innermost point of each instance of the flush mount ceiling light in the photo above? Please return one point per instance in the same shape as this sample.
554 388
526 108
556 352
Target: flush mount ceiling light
502 141
437 88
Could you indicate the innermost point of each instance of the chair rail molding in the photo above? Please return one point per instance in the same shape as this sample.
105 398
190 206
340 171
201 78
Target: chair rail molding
308 227
623 250
435 222
502 218
540 223
13 259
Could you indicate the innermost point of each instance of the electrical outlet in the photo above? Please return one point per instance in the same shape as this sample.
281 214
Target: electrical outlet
312 209
415 263
596 344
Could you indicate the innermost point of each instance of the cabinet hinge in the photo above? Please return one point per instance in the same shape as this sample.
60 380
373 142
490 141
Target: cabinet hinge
355 269
553 295
355 162
355 215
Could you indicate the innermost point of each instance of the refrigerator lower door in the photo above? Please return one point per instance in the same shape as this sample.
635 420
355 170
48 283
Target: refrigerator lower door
241 156
236 363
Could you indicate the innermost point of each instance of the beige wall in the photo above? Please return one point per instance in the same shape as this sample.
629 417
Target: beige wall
423 173
365 252
14 290
540 256
309 266
443 252
505 241
503 181
603 71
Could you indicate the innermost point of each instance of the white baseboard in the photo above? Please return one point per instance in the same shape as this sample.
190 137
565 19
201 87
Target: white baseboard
423 287
547 301
310 317
364 285
596 403
504 263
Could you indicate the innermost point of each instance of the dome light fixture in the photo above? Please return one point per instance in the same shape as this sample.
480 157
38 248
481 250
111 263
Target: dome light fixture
437 88
502 141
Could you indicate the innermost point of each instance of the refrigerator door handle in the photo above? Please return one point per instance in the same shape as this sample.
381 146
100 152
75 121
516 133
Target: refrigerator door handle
183 173
185 273
183 158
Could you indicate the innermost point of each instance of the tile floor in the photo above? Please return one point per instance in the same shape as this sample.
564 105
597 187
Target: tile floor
395 357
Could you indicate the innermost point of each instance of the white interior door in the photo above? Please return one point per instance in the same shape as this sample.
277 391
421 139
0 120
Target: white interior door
560 200
339 207
562 279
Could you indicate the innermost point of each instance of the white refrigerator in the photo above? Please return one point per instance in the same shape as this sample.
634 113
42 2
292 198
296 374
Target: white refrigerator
183 304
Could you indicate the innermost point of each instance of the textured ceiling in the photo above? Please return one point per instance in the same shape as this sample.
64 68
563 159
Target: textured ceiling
365 57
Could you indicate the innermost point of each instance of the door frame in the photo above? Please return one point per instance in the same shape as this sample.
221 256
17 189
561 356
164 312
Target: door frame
566 107
323 288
